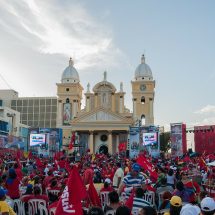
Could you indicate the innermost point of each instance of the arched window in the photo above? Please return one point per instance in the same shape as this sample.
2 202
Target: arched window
143 100
67 100
143 119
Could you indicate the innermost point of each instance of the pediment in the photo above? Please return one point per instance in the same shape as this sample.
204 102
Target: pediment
100 115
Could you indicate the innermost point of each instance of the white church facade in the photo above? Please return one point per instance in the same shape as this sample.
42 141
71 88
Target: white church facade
104 121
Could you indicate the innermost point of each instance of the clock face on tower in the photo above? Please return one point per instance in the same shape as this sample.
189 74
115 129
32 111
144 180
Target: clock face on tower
142 87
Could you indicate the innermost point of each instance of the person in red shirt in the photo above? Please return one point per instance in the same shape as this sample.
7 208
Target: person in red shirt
36 195
107 186
12 184
53 185
18 171
47 180
88 175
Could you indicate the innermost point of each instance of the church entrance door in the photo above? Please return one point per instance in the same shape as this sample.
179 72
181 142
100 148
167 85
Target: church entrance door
103 149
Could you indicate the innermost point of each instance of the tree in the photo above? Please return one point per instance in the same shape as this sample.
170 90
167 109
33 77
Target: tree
165 141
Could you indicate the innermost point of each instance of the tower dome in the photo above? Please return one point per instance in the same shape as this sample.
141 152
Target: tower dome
143 71
70 74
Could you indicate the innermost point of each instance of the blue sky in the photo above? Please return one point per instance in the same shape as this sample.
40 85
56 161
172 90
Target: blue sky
38 37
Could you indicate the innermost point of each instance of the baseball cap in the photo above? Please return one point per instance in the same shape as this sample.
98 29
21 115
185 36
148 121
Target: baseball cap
2 192
176 201
207 204
189 209
136 167
108 180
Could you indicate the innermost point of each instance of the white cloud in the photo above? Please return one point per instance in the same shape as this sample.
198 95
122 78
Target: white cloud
52 27
208 109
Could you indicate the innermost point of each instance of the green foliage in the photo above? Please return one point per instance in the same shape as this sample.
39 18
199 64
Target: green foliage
165 141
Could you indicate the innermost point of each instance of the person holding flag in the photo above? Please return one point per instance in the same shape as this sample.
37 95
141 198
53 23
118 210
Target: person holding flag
73 194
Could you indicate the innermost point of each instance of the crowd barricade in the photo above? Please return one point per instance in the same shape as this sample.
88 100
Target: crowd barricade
160 198
104 199
54 192
149 197
19 207
37 206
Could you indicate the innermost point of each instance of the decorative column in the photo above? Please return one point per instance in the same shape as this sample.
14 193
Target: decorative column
113 102
74 109
91 143
134 108
110 143
59 118
96 100
88 104
151 114
117 142
121 104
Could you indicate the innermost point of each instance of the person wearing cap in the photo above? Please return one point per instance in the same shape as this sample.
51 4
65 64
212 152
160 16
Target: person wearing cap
208 206
175 206
133 179
5 209
107 186
190 209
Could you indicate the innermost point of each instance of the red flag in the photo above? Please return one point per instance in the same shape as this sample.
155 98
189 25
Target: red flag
74 192
202 164
30 155
67 167
129 202
18 154
93 195
72 141
39 163
142 161
122 147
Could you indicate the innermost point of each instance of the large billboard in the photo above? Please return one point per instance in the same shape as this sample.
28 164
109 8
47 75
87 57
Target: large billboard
134 140
150 139
37 139
9 141
178 139
204 137
66 113
53 140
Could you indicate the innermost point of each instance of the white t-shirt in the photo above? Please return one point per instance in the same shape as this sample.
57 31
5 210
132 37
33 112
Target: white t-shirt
118 174
170 179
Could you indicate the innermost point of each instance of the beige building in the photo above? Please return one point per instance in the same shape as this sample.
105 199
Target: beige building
34 111
104 122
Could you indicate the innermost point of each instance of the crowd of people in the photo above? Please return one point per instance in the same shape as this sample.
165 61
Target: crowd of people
114 184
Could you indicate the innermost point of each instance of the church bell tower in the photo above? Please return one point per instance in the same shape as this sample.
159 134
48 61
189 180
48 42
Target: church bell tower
143 94
69 93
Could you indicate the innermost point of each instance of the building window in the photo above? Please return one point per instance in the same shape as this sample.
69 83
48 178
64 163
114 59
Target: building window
104 138
143 120
67 100
67 89
143 100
